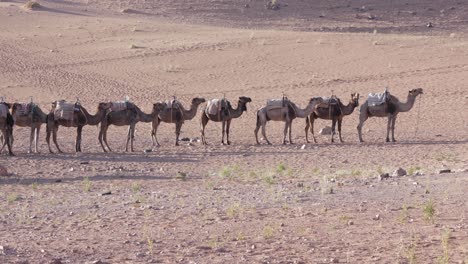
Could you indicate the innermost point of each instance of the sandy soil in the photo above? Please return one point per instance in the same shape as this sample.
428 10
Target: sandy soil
300 203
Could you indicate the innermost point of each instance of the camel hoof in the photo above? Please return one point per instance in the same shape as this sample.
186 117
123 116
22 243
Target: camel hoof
393 140
229 142
387 140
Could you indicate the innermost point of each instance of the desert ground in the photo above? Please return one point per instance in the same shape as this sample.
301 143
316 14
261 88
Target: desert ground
243 203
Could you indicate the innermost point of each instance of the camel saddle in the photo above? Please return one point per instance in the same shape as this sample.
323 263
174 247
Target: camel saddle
277 103
121 106
3 110
328 101
216 106
375 99
65 110
24 109
173 104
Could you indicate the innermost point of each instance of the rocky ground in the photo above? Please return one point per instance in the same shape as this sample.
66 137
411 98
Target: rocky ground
302 203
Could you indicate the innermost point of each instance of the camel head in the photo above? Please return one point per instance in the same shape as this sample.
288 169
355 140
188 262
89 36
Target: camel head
158 107
104 106
415 92
198 100
315 101
243 100
354 99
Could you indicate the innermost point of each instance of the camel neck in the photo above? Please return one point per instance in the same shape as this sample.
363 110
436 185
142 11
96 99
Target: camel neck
406 106
348 109
92 119
190 114
238 111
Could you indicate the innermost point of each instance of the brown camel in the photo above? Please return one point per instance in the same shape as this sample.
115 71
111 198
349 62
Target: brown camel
286 112
81 117
224 114
6 126
175 113
390 108
30 115
333 110
128 117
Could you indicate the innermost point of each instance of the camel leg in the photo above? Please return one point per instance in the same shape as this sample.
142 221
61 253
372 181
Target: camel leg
285 132
8 133
2 142
290 129
54 138
362 118
307 129
393 129
333 130
154 139
178 127
389 124
264 133
204 121
312 120
104 138
228 125
79 131
48 132
31 138
132 137
36 139
257 127
223 131
339 129
101 132
128 137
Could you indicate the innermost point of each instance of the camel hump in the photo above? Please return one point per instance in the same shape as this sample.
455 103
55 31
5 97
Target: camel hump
329 101
216 105
121 105
174 104
23 108
65 110
3 110
277 103
375 99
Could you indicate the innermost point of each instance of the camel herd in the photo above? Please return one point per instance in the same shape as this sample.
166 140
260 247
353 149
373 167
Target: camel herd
217 110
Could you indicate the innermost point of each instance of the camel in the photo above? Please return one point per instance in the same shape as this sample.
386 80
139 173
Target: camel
6 126
80 119
33 118
128 117
175 113
286 113
333 110
224 115
390 108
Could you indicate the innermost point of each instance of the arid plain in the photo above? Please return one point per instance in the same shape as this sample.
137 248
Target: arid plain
243 203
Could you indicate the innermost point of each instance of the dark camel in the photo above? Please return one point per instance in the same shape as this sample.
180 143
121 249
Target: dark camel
128 117
80 119
224 115
33 119
332 110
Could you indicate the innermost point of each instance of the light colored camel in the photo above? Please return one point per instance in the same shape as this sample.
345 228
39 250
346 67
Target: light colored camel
224 115
287 114
128 117
34 119
175 114
334 110
80 119
391 108
6 127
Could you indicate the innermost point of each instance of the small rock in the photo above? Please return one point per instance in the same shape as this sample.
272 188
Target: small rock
72 169
350 223
429 25
185 139
334 260
140 255
399 172
303 147
325 131
253 247
445 171
56 261
246 5
300 184
418 173
376 217
58 180
147 150
384 176
195 139
3 171
84 162
106 193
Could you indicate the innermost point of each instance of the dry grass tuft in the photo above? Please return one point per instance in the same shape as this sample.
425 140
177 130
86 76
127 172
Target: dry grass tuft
32 5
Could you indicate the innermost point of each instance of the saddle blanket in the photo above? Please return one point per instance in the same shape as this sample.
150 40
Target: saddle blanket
65 111
24 108
3 110
118 106
173 104
277 103
215 105
377 98
327 101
